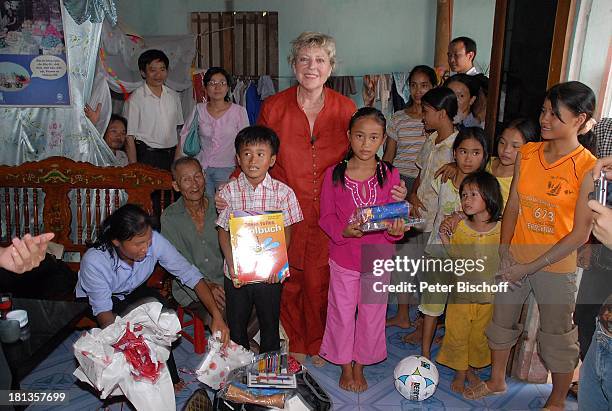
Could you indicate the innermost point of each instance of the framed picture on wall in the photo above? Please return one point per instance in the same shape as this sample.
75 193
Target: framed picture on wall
33 62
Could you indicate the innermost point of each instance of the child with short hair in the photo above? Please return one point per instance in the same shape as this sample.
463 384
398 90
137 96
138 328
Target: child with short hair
464 346
254 190
153 112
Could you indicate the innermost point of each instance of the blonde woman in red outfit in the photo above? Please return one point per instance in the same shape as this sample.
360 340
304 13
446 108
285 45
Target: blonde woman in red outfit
311 123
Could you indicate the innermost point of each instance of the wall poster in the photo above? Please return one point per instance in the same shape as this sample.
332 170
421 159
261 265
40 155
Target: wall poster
33 63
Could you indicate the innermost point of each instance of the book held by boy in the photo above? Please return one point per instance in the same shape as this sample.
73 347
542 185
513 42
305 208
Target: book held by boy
258 246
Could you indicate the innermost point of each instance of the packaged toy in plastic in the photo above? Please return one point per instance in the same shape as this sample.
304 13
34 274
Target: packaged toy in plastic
381 217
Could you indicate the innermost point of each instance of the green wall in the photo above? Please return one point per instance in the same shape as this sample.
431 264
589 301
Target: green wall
373 36
474 18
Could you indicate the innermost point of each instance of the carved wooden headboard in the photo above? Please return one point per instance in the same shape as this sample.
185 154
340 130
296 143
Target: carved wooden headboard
71 198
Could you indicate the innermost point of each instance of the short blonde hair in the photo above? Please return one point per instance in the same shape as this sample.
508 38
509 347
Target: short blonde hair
313 39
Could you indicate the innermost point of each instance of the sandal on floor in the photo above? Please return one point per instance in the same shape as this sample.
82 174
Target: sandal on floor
480 391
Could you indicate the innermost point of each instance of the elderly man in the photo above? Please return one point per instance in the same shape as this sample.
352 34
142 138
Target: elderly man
189 225
461 55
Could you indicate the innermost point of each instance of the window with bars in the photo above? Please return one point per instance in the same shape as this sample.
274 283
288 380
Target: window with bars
244 43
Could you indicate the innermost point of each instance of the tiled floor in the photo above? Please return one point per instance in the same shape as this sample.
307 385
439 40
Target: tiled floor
55 373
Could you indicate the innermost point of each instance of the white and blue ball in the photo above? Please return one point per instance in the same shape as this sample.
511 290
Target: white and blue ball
416 378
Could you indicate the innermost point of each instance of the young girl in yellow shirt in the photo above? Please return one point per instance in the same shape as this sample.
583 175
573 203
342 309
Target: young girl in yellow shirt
468 313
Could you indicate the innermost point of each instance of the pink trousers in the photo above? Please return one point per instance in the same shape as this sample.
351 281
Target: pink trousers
355 327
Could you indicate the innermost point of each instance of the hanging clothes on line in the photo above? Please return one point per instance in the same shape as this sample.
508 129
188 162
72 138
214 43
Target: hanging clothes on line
397 100
370 89
239 92
377 88
342 84
384 92
250 91
401 83
253 103
265 87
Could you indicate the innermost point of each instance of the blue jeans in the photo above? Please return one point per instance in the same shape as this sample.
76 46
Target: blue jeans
595 386
215 176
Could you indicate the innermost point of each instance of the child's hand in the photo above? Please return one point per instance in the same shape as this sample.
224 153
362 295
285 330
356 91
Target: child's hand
416 203
352 230
399 192
515 273
91 114
397 228
232 275
447 172
505 257
449 224
445 236
272 279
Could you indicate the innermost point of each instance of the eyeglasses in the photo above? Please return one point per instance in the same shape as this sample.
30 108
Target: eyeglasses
214 83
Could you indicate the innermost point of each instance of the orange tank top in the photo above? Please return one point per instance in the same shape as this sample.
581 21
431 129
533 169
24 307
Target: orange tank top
547 201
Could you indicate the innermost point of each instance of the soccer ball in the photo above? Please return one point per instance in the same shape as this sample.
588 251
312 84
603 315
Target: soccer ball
416 378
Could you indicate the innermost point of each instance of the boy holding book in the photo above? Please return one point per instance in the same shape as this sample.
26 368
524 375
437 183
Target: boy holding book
255 190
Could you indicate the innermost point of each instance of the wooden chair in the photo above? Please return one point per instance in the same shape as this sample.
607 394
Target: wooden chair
71 199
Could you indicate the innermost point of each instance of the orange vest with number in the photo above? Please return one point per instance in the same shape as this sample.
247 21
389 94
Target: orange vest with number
547 202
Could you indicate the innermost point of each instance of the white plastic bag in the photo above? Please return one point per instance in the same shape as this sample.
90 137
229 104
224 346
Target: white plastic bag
107 370
219 362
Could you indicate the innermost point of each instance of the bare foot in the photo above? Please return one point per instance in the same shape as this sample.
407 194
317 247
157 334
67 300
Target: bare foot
438 339
179 386
458 383
416 336
555 407
317 361
301 358
360 382
398 321
347 382
472 378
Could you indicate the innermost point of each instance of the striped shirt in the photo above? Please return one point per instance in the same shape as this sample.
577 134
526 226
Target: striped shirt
409 134
269 195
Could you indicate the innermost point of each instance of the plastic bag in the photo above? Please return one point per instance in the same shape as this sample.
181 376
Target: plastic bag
241 394
307 394
219 362
146 330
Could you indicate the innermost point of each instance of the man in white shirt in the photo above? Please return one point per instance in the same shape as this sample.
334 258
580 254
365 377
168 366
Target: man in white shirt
154 113
461 55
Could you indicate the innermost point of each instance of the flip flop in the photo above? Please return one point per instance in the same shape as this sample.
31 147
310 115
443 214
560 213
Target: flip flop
480 391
